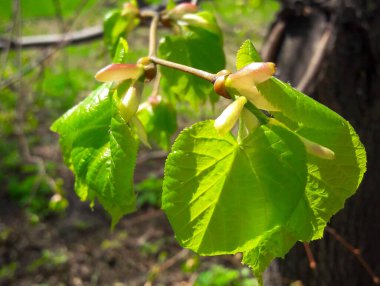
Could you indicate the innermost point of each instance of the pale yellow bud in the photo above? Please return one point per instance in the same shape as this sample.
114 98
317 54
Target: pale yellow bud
129 104
317 149
224 123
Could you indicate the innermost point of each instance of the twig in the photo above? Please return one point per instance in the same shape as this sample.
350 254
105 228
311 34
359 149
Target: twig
60 43
197 72
155 18
158 269
153 35
144 217
41 41
151 156
310 257
156 85
356 253
174 259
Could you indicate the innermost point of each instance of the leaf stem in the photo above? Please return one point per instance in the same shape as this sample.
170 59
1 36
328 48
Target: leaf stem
197 72
257 112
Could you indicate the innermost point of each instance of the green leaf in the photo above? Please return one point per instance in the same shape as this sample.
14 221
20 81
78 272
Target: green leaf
224 197
247 54
330 182
196 47
121 51
160 122
115 26
100 148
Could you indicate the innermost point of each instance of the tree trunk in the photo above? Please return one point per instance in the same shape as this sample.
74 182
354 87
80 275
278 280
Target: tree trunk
330 49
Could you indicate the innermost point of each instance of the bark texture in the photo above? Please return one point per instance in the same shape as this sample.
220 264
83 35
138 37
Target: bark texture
331 50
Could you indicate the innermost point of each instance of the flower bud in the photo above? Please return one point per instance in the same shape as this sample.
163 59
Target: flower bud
178 11
253 74
245 80
155 100
224 123
129 104
317 149
118 72
130 10
197 21
140 131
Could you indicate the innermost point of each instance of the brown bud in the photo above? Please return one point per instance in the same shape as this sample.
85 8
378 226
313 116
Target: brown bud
150 68
219 84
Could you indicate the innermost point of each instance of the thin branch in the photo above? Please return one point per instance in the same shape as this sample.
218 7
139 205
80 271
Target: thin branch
153 35
173 260
156 85
40 41
356 253
60 43
310 256
197 72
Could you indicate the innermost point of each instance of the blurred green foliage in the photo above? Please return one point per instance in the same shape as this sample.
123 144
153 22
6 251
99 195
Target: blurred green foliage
219 275
149 191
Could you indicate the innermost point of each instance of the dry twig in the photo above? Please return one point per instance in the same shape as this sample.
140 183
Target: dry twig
355 252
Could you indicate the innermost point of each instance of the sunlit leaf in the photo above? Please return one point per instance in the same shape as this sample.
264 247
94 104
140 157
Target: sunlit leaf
196 47
225 197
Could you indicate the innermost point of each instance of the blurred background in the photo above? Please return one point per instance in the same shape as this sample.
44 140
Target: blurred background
328 49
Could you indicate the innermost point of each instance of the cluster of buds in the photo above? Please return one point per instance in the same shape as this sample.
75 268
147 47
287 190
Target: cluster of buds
244 83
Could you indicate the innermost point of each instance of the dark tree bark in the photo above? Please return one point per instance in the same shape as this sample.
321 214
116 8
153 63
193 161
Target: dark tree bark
330 49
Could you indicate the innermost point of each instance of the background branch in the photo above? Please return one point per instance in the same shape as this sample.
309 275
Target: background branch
40 41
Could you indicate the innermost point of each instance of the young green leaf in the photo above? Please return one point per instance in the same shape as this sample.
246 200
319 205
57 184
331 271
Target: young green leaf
224 197
160 122
101 150
117 24
195 47
247 54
